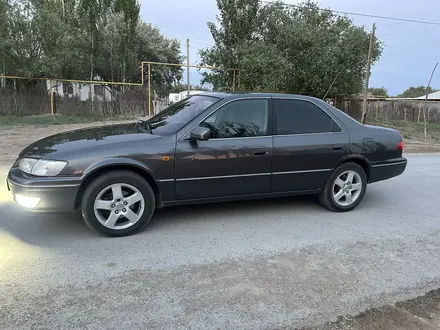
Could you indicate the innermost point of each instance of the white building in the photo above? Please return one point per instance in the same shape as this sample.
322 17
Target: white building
82 91
176 97
432 96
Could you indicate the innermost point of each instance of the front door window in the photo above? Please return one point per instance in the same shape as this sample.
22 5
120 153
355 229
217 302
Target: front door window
241 118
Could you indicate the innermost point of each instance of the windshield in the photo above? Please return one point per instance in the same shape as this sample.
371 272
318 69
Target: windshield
177 115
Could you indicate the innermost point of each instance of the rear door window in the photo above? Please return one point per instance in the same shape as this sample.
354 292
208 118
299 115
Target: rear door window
301 117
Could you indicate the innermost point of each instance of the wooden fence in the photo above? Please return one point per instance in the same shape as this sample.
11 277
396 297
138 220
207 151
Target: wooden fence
390 110
35 100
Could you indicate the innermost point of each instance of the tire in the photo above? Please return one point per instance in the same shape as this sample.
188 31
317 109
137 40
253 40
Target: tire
336 197
118 203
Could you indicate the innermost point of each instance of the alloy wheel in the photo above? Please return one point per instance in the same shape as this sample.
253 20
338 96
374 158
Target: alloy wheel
347 188
119 206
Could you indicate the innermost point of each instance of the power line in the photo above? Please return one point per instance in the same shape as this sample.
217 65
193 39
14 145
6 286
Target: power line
199 41
394 24
362 14
391 34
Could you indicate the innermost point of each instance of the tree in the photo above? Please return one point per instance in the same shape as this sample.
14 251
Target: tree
4 30
83 39
378 91
238 20
21 41
278 47
153 46
412 91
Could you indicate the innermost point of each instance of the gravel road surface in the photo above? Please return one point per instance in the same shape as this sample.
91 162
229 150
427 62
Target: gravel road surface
270 264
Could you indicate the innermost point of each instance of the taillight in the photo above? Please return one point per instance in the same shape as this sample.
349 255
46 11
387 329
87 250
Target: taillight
400 145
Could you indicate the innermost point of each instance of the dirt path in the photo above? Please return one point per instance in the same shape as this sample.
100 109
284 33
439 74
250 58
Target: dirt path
421 313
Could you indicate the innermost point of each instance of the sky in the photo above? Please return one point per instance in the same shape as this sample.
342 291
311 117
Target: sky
410 52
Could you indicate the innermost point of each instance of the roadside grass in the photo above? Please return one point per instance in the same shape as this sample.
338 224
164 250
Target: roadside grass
413 131
45 120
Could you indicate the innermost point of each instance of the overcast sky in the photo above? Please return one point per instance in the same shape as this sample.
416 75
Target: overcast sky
411 49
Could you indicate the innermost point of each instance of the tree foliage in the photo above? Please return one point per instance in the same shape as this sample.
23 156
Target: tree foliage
83 39
298 49
378 91
417 91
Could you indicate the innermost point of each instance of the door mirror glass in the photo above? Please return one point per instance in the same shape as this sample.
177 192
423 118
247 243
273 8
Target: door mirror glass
200 133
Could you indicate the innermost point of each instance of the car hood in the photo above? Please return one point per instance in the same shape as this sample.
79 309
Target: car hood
85 138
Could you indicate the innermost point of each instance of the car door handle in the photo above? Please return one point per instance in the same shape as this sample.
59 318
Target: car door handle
337 147
261 153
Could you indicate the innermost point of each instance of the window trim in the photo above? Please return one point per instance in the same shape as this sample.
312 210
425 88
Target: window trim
275 126
270 119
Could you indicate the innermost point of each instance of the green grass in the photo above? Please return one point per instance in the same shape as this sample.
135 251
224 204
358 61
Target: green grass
45 120
412 130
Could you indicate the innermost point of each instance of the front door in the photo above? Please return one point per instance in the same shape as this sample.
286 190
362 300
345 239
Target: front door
235 161
308 144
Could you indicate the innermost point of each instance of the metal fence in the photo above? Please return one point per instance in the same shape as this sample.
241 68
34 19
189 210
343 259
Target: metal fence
76 99
22 96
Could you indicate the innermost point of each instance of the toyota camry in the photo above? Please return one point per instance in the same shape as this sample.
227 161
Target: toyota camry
210 147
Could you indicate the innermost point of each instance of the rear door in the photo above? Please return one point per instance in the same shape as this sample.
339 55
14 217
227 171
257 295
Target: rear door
235 161
308 143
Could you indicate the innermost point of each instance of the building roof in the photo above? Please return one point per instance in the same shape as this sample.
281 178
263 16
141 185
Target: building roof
432 96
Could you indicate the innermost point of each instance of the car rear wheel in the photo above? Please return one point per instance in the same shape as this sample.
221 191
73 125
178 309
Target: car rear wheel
345 188
118 203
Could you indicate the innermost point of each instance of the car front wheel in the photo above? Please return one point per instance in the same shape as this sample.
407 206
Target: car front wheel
345 188
118 203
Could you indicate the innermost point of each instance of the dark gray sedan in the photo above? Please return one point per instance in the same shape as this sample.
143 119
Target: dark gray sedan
210 147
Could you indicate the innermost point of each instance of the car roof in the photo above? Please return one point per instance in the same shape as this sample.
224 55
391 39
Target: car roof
342 116
233 95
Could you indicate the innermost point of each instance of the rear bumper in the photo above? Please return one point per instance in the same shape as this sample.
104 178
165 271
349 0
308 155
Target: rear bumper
387 170
43 195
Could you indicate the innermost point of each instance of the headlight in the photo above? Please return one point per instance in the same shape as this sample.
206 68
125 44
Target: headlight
41 167
26 164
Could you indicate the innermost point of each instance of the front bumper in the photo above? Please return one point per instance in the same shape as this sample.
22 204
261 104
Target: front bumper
52 195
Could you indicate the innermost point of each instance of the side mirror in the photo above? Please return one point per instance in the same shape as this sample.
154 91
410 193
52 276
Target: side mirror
200 133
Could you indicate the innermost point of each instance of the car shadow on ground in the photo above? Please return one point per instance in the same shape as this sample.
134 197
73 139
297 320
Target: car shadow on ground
229 211
48 229
57 229
232 211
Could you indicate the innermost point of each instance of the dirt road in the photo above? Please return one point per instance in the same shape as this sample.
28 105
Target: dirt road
252 265
274 264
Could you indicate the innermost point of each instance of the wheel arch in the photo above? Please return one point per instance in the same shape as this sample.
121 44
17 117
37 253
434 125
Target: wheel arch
360 160
97 171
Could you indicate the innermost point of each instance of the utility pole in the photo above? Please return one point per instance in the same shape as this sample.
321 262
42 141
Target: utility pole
64 9
426 103
367 75
187 65
3 73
